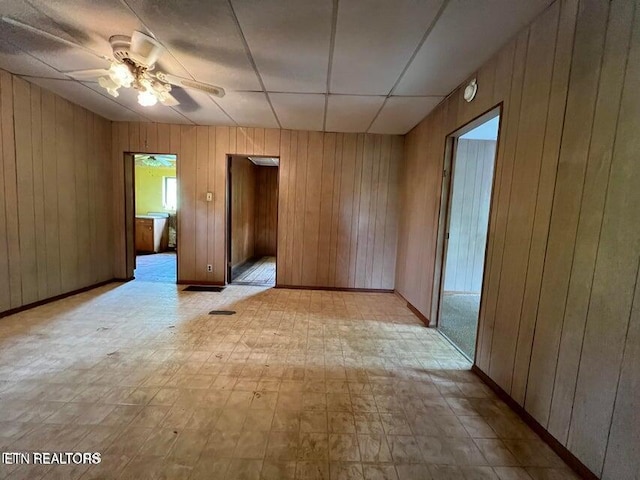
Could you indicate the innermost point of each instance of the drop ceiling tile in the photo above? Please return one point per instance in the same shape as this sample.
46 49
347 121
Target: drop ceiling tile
351 113
374 42
200 108
58 55
86 22
298 111
17 61
289 42
88 98
401 114
248 109
467 34
204 37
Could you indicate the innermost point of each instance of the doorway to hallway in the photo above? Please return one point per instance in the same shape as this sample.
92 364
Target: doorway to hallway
468 200
252 219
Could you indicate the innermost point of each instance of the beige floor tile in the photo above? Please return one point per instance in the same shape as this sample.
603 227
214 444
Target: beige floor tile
374 448
298 384
379 472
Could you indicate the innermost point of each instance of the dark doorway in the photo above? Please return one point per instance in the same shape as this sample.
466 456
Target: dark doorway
252 220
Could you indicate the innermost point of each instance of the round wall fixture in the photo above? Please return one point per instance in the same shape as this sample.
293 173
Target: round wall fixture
471 90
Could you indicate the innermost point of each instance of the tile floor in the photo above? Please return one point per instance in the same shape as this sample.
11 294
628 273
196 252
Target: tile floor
261 273
297 385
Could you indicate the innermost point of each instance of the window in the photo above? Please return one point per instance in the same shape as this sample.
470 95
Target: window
170 193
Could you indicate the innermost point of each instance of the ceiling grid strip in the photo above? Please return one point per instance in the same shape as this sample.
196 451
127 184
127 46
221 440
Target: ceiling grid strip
252 62
443 7
332 44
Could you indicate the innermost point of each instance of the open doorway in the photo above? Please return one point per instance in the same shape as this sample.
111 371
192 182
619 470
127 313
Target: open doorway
252 218
155 202
471 157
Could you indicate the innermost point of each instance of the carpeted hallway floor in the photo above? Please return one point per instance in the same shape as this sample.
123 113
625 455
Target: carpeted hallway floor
459 320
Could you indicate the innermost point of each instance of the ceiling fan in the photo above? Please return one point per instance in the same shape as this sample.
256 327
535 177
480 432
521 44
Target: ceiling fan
132 65
155 160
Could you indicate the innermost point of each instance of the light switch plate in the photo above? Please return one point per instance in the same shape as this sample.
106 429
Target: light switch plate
209 197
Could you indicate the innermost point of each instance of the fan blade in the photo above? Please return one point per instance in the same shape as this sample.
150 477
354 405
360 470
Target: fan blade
186 83
87 75
147 50
50 36
169 100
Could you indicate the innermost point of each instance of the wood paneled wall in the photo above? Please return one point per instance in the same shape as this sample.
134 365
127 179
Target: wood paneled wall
243 210
55 205
266 220
559 326
469 214
337 206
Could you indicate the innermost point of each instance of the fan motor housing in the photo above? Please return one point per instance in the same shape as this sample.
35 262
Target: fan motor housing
121 45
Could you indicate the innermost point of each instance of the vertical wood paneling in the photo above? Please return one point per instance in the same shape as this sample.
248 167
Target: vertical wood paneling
335 210
614 283
38 190
243 210
313 200
219 190
393 209
285 173
48 242
50 189
591 212
347 197
211 206
327 173
524 187
372 202
557 325
378 240
187 210
266 211
364 211
547 183
590 32
622 460
300 206
356 212
81 160
502 343
501 193
67 196
24 180
10 190
5 293
335 227
201 208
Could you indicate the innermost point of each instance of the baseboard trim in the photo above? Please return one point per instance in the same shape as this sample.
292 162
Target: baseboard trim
414 310
39 303
335 289
418 314
569 458
201 282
